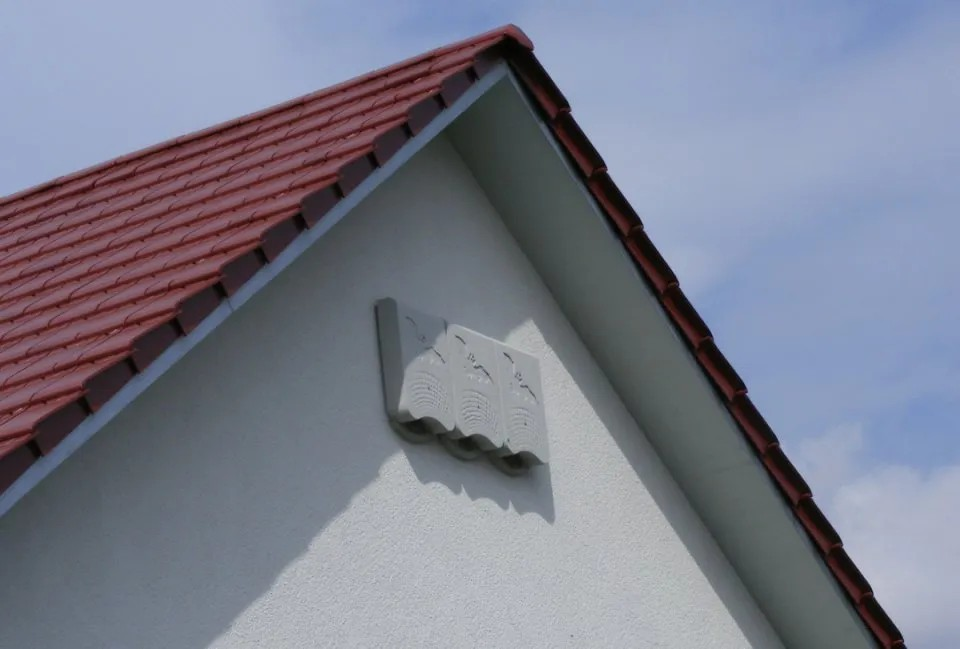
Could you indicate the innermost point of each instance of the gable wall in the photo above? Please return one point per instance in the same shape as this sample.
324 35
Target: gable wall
256 496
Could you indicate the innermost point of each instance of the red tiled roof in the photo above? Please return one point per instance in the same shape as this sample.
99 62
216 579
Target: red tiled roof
101 270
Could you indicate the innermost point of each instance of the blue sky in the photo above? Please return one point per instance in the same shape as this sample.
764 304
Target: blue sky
796 163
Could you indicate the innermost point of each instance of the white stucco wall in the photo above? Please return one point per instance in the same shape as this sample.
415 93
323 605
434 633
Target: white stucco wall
256 496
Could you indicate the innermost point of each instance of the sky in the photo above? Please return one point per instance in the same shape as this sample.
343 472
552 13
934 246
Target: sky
796 163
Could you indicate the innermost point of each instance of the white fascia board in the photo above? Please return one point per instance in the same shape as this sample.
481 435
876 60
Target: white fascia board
528 177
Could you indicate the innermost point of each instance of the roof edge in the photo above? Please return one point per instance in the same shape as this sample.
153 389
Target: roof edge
626 224
56 438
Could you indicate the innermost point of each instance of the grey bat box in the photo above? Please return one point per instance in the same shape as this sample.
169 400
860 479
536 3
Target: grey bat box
473 367
476 393
521 395
416 366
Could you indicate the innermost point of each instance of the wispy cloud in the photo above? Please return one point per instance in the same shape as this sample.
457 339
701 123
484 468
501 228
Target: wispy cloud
731 128
898 522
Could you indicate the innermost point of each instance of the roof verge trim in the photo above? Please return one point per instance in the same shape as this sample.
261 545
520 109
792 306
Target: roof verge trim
626 225
247 284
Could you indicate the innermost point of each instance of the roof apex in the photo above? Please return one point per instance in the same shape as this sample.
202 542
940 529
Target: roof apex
103 269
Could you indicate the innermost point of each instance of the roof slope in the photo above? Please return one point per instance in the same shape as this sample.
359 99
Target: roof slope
96 265
101 270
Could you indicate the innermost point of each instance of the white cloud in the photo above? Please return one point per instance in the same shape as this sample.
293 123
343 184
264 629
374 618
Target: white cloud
900 525
742 125
830 459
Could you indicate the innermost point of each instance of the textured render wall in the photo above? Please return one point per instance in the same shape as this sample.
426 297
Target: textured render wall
255 496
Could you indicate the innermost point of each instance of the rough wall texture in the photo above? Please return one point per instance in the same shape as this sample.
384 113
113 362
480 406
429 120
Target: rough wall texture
255 496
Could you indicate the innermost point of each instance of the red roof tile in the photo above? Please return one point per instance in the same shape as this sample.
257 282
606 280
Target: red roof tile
102 269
